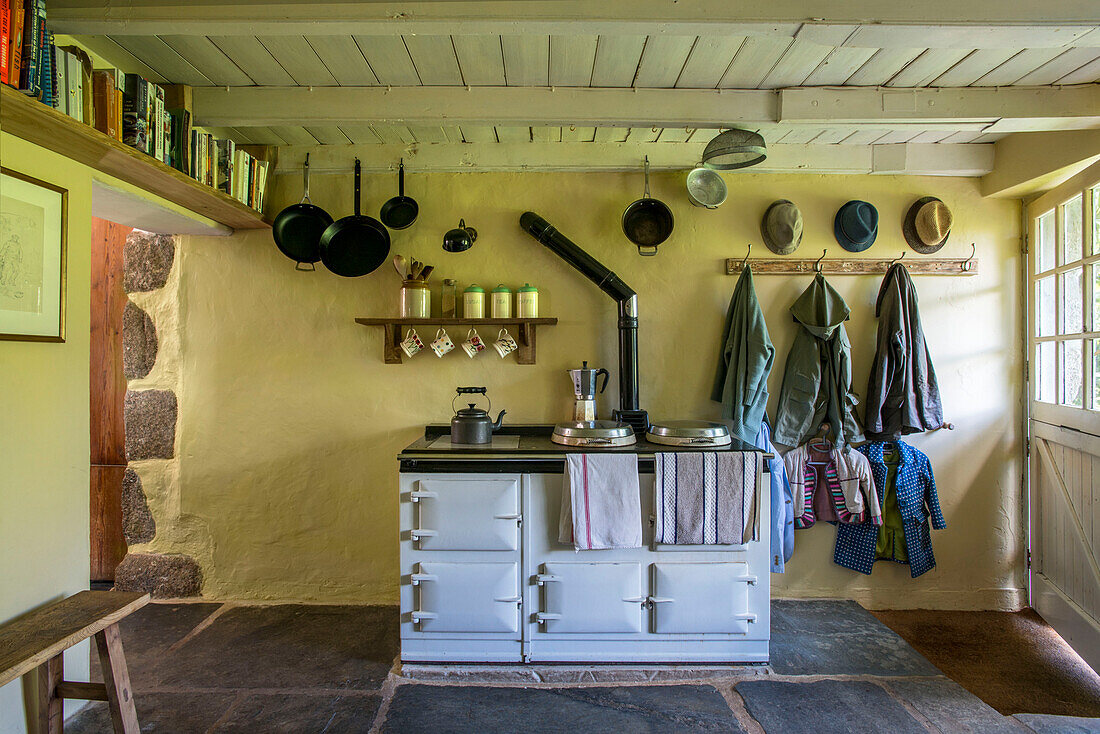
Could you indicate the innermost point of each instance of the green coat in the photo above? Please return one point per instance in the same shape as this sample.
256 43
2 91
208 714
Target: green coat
817 384
741 382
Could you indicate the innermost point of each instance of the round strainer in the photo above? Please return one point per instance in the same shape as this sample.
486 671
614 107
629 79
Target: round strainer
706 188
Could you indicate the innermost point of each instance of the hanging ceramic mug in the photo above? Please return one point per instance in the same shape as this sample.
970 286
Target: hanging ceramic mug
442 344
474 344
412 343
505 344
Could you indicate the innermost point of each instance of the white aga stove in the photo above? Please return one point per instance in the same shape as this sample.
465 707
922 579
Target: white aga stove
484 578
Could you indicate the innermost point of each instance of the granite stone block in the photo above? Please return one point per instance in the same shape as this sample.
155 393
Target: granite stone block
150 417
165 576
139 342
147 260
138 525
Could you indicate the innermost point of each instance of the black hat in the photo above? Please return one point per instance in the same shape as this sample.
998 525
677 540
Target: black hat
856 226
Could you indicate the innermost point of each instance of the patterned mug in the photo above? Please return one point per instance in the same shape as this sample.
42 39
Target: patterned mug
442 344
505 344
474 344
412 343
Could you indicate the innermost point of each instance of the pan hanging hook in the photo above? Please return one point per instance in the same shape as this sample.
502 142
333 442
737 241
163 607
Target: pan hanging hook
746 260
968 262
646 196
817 263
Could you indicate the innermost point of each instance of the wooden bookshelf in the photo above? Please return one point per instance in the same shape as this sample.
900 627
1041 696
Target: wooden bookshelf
27 118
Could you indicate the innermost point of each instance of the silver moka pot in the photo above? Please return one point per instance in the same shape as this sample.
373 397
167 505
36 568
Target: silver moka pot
584 391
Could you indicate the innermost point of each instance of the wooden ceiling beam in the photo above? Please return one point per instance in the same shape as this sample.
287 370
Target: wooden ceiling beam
1054 23
602 107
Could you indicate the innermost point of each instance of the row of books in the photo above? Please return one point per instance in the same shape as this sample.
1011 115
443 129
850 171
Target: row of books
154 119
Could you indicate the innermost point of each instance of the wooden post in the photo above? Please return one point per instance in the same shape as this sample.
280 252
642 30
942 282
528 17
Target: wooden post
526 352
51 714
392 347
116 677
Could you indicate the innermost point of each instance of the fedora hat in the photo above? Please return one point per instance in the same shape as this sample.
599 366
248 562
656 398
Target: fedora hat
856 225
927 225
781 227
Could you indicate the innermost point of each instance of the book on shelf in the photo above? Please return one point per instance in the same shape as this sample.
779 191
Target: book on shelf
15 40
45 67
135 113
5 39
74 73
34 16
227 149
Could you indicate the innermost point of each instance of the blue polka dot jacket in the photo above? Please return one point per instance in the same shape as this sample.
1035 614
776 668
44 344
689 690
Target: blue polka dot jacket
917 500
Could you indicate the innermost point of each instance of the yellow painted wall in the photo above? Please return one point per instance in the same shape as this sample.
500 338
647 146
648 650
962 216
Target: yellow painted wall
44 445
285 486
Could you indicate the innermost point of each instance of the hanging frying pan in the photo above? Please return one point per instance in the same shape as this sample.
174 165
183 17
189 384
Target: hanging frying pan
648 221
298 228
400 211
355 245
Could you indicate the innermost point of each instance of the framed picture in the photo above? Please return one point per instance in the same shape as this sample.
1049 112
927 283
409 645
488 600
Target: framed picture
33 223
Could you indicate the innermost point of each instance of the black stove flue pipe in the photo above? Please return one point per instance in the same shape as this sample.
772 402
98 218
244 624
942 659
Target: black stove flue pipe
623 294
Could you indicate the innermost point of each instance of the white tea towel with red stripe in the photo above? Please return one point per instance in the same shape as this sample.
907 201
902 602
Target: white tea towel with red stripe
601 504
705 497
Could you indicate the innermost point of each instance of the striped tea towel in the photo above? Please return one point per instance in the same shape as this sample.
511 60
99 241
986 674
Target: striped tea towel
704 498
601 504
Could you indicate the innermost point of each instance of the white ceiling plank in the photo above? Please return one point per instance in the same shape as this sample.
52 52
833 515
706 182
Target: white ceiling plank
617 60
361 134
526 60
825 34
921 71
120 57
963 136
882 66
428 133
662 60
865 136
977 64
574 134
343 59
994 35
571 60
1059 66
481 60
840 64
1017 66
756 57
478 134
1087 74
513 134
394 134
162 57
389 59
934 159
930 136
989 137
612 134
834 135
253 59
800 135
679 135
435 60
708 61
294 135
545 134
266 136
299 59
243 135
829 106
328 134
201 53
797 63
453 133
643 134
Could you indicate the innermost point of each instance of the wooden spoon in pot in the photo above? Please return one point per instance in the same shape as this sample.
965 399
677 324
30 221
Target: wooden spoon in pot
400 267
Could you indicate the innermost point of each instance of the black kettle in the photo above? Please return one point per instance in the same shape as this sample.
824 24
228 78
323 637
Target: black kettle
459 239
473 425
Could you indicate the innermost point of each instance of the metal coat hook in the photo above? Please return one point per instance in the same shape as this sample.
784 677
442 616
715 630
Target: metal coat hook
817 263
898 259
967 264
746 260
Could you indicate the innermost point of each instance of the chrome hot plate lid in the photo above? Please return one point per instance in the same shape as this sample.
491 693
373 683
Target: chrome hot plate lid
593 433
689 433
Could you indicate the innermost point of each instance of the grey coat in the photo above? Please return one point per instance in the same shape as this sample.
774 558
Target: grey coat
741 381
902 394
817 384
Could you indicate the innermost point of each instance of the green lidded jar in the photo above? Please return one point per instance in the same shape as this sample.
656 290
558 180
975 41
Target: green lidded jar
527 302
500 303
473 302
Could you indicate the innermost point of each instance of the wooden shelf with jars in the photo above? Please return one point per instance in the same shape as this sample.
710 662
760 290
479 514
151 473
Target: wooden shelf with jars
525 332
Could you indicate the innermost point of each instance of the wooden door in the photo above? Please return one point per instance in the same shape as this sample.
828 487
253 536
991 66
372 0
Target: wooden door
1064 409
108 390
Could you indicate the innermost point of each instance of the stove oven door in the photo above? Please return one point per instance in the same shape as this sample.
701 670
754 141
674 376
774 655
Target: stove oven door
466 597
703 598
475 514
590 598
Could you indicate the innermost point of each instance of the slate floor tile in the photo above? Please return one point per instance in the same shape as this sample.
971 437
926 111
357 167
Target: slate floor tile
485 710
288 646
1050 724
295 714
158 713
838 638
826 707
951 707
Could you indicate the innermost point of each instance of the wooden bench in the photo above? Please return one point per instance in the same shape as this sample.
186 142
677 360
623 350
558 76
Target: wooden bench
38 639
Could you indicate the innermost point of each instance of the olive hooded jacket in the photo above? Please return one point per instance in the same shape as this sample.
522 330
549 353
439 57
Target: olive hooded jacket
817 384
741 382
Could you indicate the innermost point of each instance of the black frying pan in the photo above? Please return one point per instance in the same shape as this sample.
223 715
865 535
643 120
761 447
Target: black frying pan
647 222
355 245
298 228
400 211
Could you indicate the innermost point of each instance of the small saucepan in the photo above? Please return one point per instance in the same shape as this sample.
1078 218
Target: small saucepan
400 211
298 228
355 245
647 222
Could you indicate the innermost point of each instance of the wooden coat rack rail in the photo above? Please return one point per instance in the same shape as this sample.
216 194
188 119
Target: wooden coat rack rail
855 266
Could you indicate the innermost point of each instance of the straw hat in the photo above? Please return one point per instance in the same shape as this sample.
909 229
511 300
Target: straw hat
781 227
927 225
